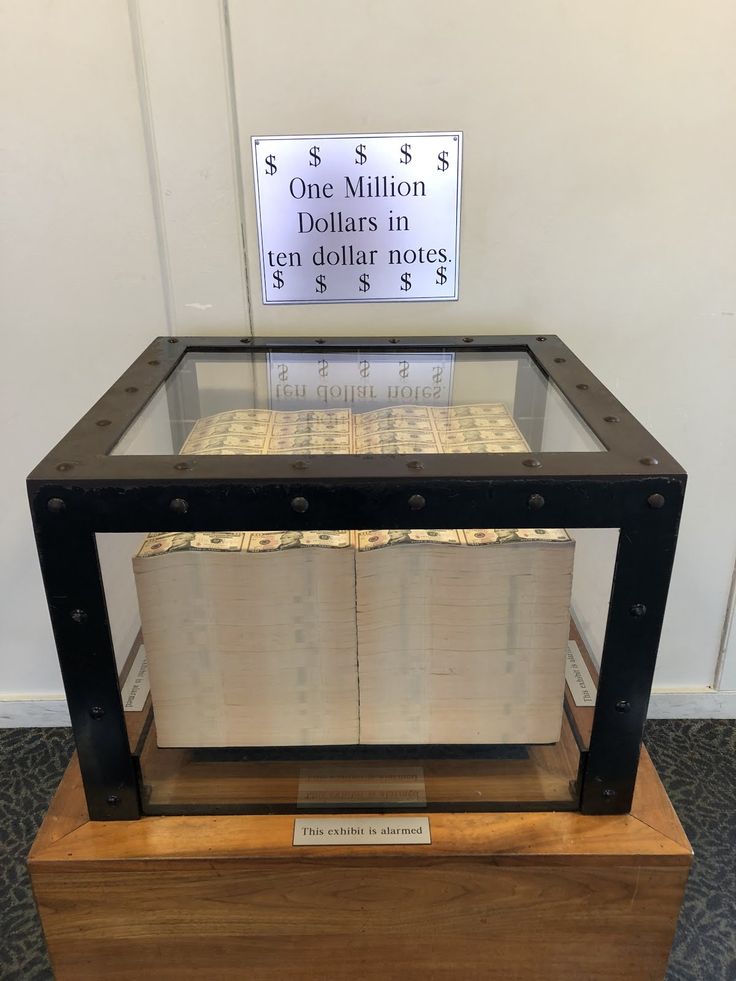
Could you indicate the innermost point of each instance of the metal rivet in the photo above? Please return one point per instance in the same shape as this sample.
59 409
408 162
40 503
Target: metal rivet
103 422
638 610
131 389
79 616
63 467
55 504
531 463
96 712
535 502
541 338
623 706
608 792
560 360
182 466
611 419
179 505
583 387
415 465
319 340
468 340
416 502
649 461
393 340
299 504
154 363
113 800
246 340
300 465
655 501
173 340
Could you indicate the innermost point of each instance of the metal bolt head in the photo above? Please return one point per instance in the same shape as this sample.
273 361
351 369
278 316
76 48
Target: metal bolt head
608 792
96 712
179 505
393 340
103 422
299 504
300 465
623 705
416 502
246 340
113 800
535 502
541 338
131 389
655 501
649 461
468 340
173 340
182 466
415 465
583 387
638 610
63 467
154 363
531 463
55 504
611 419
560 360
79 616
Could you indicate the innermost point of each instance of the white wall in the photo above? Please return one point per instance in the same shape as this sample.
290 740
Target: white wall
598 203
80 288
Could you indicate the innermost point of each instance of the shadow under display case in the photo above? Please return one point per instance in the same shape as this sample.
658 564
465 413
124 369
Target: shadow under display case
402 573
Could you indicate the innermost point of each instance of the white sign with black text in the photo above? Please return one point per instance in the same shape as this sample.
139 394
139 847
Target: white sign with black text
358 218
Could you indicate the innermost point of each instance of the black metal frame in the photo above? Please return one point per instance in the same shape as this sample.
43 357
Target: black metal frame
79 490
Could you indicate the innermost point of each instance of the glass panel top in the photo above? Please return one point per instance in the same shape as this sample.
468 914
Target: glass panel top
359 401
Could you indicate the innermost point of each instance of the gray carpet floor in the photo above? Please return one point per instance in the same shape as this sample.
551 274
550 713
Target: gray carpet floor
696 760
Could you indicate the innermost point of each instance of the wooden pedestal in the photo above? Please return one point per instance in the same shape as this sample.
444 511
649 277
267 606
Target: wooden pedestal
533 895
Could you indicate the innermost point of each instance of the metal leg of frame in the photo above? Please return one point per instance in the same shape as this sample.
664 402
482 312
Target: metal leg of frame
79 619
641 580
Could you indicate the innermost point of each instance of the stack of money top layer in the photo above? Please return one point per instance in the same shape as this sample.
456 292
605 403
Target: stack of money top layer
335 637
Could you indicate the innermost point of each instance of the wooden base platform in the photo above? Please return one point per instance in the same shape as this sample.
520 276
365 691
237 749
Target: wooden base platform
495 896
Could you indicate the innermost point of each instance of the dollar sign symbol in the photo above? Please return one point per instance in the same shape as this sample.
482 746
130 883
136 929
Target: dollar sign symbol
323 367
271 167
437 373
405 153
316 159
403 368
365 369
443 164
441 276
278 279
360 150
321 284
405 282
283 372
364 283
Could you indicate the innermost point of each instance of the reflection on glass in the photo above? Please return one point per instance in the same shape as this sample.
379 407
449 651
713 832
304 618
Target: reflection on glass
357 402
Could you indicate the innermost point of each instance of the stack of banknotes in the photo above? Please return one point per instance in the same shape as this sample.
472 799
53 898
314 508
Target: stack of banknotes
380 637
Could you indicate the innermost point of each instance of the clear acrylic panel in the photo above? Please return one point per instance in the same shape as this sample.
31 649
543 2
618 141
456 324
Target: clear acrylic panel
422 669
357 401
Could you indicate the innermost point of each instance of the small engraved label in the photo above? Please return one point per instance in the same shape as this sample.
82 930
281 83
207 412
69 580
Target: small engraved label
137 686
578 677
362 831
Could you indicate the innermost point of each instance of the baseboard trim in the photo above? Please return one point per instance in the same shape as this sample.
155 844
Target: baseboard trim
704 704
20 712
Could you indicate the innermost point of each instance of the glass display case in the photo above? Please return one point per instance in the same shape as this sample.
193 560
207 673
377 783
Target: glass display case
338 574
